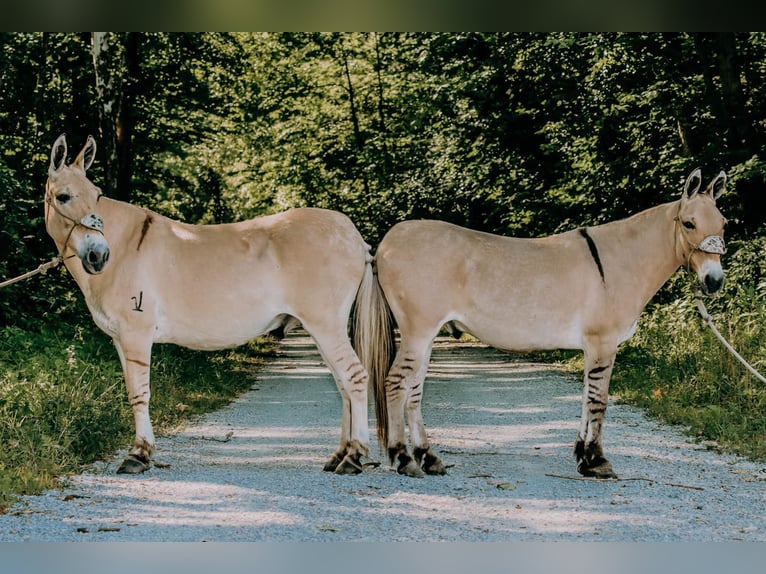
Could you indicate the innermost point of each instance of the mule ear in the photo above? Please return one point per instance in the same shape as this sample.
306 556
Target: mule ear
693 183
717 186
58 155
87 154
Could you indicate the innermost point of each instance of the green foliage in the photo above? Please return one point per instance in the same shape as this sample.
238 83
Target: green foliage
63 401
676 368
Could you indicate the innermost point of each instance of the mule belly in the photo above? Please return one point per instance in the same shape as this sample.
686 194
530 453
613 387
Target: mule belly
210 333
523 332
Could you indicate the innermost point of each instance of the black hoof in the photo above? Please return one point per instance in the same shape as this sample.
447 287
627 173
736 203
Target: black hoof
348 466
133 465
603 470
332 464
435 468
432 464
591 461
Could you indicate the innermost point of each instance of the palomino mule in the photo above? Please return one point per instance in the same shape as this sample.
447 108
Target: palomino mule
583 289
147 279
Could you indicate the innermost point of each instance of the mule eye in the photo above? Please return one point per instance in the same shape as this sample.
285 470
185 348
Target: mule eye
63 197
689 225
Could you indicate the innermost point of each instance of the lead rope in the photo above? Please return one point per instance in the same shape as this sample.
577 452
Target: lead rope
709 322
55 262
713 244
42 269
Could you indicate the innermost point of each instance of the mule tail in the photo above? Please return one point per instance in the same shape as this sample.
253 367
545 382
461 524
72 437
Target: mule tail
373 340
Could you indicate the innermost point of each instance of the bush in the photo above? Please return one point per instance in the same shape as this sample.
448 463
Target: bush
676 368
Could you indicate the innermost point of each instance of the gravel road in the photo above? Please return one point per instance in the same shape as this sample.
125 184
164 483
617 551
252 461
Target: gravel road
253 471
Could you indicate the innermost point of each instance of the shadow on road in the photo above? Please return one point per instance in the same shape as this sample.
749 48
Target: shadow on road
252 471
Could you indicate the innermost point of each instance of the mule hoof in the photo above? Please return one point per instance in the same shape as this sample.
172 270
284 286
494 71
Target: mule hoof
132 465
432 464
411 469
435 468
348 466
332 464
603 470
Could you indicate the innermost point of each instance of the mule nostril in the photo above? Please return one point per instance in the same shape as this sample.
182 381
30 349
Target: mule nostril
713 283
93 257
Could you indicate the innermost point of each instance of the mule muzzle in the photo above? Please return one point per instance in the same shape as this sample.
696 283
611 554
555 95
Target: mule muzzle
93 250
95 260
710 274
94 254
711 284
710 277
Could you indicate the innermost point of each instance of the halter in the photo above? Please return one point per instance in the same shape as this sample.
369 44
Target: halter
91 221
713 244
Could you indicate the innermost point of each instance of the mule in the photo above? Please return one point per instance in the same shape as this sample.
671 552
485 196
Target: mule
583 289
149 279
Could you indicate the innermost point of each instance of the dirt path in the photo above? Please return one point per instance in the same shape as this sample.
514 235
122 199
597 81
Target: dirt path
252 471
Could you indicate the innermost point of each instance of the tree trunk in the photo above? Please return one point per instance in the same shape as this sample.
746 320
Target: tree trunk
732 93
352 102
104 59
724 87
125 120
115 63
381 110
358 137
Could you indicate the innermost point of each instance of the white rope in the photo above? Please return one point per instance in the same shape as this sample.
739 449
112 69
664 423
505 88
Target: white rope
41 269
709 321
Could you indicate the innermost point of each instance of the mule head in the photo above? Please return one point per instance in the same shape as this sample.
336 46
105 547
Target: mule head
701 226
71 207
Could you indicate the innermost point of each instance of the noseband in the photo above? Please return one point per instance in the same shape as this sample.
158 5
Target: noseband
91 221
711 244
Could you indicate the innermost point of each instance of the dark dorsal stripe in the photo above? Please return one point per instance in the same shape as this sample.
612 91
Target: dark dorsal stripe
144 229
593 252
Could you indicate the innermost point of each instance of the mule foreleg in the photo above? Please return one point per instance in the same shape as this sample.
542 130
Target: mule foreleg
588 450
135 357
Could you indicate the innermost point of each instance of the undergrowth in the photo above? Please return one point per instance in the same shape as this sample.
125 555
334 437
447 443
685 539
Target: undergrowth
63 402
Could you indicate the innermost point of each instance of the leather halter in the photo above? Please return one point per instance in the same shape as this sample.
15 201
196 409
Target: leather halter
713 244
90 221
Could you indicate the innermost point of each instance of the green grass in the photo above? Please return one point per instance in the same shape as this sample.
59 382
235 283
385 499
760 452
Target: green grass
679 372
63 402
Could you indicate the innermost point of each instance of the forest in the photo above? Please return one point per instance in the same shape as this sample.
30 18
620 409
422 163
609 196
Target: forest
522 134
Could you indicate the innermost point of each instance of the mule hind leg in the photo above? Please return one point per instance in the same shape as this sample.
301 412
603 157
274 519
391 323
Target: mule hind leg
404 393
422 452
599 362
352 381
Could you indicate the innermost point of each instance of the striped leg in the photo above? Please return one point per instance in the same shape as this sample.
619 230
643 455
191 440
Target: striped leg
599 363
352 381
421 450
135 356
404 386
